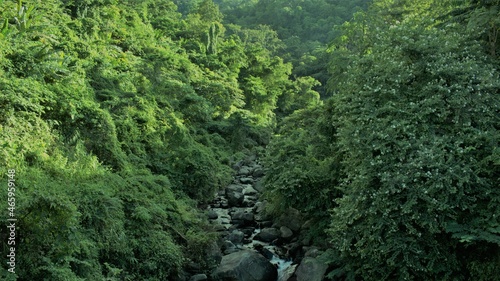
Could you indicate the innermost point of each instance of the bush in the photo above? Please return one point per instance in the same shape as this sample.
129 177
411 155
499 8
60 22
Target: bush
418 118
303 165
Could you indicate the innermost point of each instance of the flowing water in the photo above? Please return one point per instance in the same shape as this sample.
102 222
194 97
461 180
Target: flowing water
282 266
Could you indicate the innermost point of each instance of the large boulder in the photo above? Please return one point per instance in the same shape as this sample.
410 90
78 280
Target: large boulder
242 215
236 237
312 252
258 171
311 269
245 266
228 247
292 219
212 214
234 195
259 207
249 190
268 235
286 233
260 213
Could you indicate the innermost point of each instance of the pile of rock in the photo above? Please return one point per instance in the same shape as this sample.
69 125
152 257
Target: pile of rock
253 244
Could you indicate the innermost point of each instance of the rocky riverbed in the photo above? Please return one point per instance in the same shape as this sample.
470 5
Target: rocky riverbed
256 247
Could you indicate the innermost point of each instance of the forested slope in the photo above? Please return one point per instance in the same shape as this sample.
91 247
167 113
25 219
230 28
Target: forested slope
298 31
401 166
118 119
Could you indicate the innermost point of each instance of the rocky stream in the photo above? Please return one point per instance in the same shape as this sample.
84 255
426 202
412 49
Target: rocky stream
254 246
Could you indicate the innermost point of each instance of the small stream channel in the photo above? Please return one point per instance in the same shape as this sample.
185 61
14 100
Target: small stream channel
282 264
238 214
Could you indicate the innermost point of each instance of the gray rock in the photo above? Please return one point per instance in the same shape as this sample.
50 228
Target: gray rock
192 267
263 251
236 237
224 220
198 277
286 233
246 180
294 249
248 231
228 248
259 207
249 201
243 216
223 217
211 214
311 269
245 171
267 235
234 194
306 241
227 244
231 251
233 187
292 219
245 266
238 223
249 190
236 166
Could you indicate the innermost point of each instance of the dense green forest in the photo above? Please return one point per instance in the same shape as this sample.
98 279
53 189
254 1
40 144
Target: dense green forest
299 31
120 120
401 165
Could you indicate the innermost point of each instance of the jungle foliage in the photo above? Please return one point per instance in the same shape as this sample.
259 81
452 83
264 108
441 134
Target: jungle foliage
405 154
120 118
300 30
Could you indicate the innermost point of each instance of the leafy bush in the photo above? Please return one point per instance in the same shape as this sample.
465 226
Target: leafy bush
418 120
303 165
